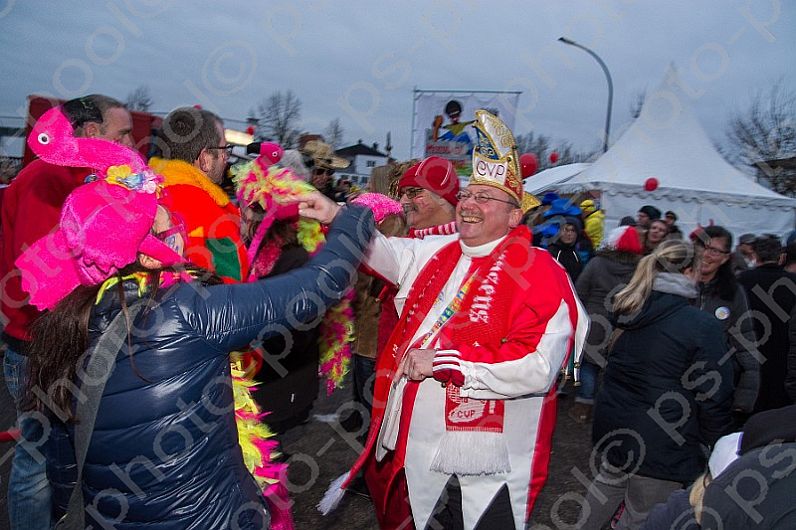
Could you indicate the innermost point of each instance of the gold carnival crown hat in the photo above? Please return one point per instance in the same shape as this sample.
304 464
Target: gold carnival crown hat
496 162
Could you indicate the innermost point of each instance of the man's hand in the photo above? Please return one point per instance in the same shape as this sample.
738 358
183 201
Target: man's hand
315 205
416 364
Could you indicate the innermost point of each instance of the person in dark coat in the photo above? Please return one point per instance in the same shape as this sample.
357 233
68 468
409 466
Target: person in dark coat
164 453
665 396
722 297
605 274
765 429
772 297
571 247
756 490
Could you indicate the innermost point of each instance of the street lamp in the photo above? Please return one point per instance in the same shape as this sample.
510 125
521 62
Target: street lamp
610 85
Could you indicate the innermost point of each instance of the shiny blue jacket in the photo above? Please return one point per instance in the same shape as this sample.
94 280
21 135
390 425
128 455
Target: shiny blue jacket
165 453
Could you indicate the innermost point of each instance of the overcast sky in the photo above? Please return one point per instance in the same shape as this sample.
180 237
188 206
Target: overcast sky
359 60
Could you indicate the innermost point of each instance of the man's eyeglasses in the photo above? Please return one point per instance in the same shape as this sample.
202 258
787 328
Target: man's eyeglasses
411 193
318 171
481 198
227 148
713 251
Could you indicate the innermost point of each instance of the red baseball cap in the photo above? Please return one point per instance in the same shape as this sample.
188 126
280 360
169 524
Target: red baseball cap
434 174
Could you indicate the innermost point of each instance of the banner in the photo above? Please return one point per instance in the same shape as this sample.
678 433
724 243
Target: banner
442 122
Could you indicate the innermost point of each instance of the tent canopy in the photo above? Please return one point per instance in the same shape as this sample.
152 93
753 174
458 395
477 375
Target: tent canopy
667 142
550 179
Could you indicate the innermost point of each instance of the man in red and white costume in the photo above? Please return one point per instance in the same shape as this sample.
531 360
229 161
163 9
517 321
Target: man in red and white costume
465 398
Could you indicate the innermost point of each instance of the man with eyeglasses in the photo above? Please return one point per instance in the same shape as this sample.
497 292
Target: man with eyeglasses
31 209
427 192
464 402
772 298
193 164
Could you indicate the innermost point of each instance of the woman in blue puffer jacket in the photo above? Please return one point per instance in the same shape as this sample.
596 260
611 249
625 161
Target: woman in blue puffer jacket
164 453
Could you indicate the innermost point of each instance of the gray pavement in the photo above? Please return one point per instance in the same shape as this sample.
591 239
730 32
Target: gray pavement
320 450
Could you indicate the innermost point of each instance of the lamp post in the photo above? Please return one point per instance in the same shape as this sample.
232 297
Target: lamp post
610 85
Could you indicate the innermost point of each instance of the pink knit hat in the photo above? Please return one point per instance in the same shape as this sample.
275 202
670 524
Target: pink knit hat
104 224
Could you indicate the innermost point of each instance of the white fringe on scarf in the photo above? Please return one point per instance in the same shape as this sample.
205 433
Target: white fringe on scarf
471 453
334 494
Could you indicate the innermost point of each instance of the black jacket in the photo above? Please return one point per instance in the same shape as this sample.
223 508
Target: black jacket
737 323
664 396
604 276
754 492
165 444
772 296
288 378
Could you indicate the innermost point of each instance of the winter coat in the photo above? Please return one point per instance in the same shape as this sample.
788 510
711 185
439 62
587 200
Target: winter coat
594 227
288 376
675 514
740 335
772 296
604 276
754 492
165 443
665 394
790 377
567 256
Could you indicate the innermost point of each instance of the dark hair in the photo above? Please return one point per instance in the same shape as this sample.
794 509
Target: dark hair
453 106
651 211
60 338
281 230
186 131
768 248
726 284
88 109
790 253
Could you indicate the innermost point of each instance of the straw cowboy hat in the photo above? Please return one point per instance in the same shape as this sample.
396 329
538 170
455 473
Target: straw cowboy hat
323 156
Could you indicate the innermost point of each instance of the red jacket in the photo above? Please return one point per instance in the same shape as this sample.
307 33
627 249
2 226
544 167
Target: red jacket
31 209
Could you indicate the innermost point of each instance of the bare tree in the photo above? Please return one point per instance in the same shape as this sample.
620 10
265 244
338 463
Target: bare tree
765 134
334 133
542 146
139 99
280 116
536 144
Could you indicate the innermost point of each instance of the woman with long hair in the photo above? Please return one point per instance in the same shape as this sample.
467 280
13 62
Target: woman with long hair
721 296
163 449
665 396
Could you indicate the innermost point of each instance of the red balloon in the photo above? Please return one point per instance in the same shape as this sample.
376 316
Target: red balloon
553 157
250 130
651 184
528 164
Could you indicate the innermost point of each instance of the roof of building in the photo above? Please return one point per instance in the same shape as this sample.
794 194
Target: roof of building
360 149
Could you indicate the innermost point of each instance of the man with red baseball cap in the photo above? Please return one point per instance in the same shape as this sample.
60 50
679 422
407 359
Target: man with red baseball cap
427 191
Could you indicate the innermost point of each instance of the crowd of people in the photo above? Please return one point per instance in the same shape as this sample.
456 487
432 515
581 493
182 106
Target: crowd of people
163 333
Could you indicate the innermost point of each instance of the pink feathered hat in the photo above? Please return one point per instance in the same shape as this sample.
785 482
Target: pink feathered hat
103 225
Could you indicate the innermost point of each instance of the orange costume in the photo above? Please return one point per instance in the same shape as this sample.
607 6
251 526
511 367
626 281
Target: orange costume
211 220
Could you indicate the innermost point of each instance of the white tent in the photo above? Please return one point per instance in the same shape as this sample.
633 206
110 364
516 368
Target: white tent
550 179
666 142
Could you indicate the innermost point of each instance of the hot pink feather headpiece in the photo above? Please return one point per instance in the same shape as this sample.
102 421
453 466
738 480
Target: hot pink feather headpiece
104 224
